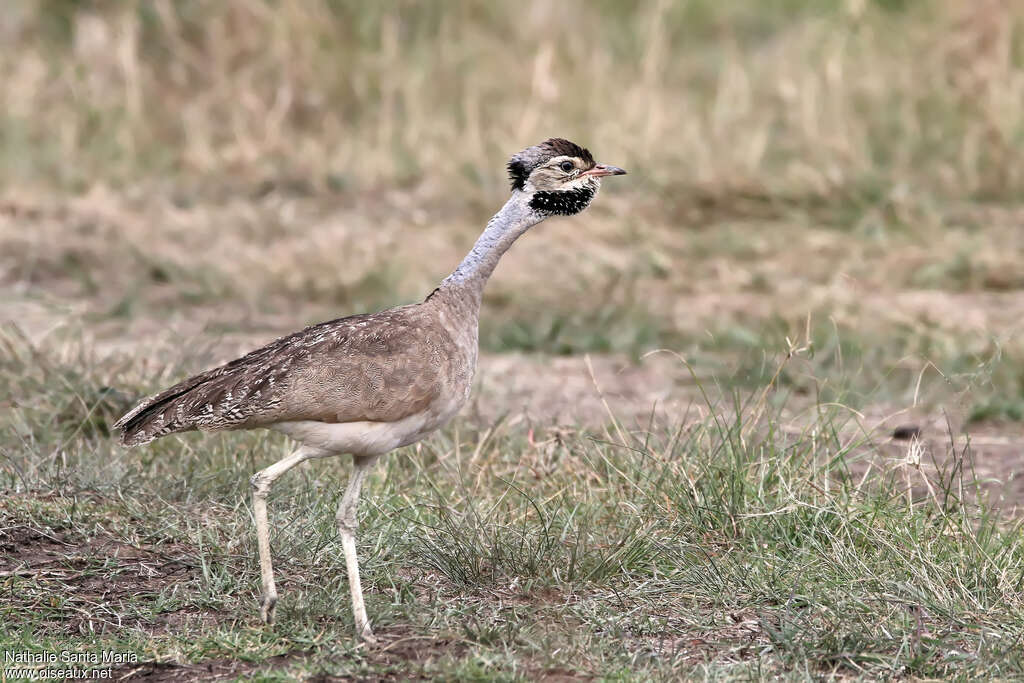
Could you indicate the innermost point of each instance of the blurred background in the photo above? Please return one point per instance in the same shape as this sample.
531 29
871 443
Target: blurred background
758 411
840 176
808 98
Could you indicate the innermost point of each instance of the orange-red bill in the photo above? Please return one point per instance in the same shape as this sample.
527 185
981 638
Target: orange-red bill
603 170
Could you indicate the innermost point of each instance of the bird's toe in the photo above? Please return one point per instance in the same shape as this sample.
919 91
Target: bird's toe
267 609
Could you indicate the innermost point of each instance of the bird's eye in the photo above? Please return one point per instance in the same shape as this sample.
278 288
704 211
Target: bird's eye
566 166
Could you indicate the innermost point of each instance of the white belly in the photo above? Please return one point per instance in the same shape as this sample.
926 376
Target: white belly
362 438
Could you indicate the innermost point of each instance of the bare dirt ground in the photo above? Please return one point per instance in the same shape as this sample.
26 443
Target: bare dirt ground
60 564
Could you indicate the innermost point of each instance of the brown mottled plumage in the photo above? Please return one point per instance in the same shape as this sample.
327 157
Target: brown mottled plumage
367 384
378 367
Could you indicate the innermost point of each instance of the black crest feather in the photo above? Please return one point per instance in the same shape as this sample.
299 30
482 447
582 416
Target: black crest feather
521 165
518 172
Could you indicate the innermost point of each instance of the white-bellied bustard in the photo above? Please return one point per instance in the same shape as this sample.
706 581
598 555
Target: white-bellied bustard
367 384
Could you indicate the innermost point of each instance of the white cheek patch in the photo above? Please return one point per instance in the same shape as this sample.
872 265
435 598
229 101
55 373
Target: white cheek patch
584 182
581 182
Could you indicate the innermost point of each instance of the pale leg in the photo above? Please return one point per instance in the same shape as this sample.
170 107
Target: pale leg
260 483
347 525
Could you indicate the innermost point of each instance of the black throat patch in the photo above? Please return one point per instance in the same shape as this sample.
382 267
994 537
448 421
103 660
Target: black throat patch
564 203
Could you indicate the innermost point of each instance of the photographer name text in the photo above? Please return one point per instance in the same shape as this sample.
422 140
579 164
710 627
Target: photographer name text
70 657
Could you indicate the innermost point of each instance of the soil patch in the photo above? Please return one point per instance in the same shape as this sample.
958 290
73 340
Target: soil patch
211 670
94 585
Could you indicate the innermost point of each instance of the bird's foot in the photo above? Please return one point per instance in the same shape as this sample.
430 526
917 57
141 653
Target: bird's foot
366 635
267 609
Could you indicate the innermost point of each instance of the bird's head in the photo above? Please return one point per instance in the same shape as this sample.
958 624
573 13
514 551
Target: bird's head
559 177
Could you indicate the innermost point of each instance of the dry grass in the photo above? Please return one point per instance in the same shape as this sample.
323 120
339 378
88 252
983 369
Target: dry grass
880 99
344 156
730 544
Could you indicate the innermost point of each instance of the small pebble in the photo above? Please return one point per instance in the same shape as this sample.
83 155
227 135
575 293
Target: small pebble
906 432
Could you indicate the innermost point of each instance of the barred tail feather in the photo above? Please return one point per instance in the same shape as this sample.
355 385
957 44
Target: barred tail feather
158 415
227 397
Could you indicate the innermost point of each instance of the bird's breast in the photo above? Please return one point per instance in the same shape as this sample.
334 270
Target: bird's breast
363 437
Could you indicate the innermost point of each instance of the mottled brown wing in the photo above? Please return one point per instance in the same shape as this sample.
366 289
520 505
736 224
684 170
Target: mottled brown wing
382 367
381 373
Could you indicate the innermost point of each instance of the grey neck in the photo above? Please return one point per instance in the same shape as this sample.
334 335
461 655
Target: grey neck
515 218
